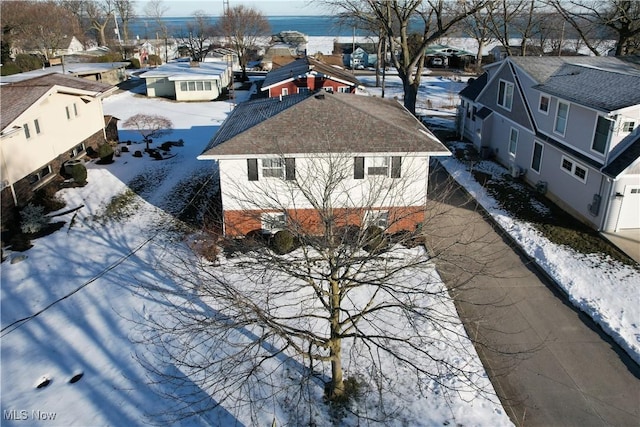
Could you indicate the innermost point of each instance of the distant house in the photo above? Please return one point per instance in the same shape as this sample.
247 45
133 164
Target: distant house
359 56
295 40
111 73
188 81
307 75
46 121
439 56
270 149
222 55
567 125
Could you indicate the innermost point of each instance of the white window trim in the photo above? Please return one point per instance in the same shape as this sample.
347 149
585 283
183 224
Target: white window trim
343 89
555 121
593 140
369 162
270 222
507 84
262 168
574 164
546 113
41 178
378 218
632 123
517 133
285 91
533 153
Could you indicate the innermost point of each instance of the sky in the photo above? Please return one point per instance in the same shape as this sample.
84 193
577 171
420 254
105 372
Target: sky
267 7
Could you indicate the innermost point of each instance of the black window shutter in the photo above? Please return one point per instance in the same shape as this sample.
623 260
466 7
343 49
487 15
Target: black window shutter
358 168
290 169
252 167
396 163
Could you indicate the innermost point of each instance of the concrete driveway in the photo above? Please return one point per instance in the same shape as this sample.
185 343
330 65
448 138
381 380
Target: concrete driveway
549 363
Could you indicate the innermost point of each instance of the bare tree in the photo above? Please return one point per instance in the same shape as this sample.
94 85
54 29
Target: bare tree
197 35
149 126
436 18
125 13
100 14
589 18
512 18
477 26
358 294
43 26
156 10
243 27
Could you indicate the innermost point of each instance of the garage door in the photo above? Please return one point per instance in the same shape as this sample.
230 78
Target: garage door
630 209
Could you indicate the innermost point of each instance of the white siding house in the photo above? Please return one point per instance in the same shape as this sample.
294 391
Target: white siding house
277 158
188 81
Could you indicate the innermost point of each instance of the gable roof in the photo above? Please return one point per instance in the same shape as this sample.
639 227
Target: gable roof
625 159
473 88
599 88
184 71
16 98
301 67
321 123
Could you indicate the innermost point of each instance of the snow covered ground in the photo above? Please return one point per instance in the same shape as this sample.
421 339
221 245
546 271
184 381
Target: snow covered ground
72 306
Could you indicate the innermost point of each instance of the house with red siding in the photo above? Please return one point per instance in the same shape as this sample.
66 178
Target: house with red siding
308 75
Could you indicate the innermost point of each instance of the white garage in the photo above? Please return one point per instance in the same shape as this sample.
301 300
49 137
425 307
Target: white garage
629 216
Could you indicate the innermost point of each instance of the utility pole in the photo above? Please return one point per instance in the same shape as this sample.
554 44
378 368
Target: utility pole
226 11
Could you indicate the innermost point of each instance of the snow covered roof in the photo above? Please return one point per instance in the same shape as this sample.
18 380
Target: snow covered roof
185 71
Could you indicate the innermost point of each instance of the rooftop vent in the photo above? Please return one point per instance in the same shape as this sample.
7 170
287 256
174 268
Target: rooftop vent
320 96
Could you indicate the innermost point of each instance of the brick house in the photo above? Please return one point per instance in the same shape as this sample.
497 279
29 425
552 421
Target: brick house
308 75
366 159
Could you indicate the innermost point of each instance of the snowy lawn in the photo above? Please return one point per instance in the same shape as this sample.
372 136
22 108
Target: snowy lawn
72 309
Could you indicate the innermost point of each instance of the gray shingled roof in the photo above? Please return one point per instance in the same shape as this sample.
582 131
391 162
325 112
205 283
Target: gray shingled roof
625 159
594 87
301 67
543 67
16 98
473 89
321 123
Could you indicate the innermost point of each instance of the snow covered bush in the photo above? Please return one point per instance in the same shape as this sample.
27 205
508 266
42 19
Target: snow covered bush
33 219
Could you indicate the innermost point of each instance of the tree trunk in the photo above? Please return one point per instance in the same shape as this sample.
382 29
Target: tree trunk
410 95
479 55
336 389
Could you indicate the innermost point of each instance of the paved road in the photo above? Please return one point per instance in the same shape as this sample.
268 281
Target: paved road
549 363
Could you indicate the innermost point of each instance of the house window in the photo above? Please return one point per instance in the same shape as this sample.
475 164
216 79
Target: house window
378 166
544 104
273 221
207 85
36 124
75 109
36 177
561 118
602 135
513 141
192 86
285 91
344 89
574 169
536 161
505 94
68 112
474 111
377 218
183 86
78 149
27 131
303 90
272 168
628 126
200 86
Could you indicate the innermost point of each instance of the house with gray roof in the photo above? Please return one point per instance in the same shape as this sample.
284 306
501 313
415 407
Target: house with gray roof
45 122
277 157
568 126
308 75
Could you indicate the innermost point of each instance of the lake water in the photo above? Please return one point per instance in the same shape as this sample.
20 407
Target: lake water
310 25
